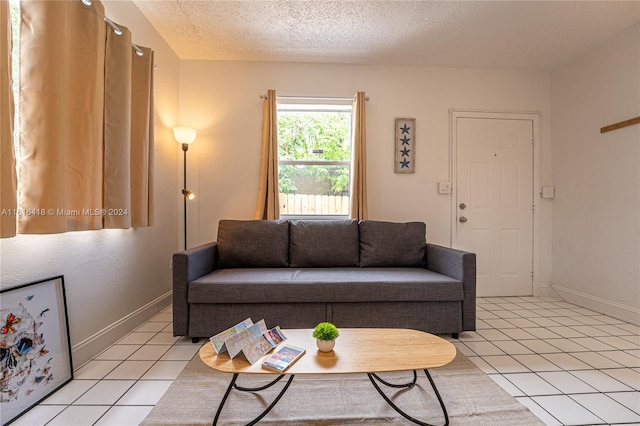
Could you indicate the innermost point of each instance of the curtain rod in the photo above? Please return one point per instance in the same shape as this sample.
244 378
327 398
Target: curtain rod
314 98
116 30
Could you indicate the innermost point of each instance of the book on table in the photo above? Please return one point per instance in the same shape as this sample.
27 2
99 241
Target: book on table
284 358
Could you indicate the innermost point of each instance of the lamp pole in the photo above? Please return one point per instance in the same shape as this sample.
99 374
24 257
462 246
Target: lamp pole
185 148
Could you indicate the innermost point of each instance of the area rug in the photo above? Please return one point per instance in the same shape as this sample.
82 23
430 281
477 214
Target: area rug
471 398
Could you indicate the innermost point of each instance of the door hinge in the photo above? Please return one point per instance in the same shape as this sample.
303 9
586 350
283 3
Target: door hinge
533 208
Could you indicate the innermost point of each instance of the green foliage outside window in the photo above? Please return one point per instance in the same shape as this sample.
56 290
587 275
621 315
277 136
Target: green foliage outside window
314 136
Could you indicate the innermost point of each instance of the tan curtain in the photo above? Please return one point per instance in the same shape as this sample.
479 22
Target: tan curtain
359 164
268 206
141 137
86 121
8 185
117 129
62 51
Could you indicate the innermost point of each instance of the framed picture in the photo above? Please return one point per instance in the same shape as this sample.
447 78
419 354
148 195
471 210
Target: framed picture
405 145
35 349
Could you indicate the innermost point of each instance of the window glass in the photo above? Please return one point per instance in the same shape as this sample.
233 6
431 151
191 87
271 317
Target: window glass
314 153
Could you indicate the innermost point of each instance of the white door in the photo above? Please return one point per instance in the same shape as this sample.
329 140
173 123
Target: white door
494 201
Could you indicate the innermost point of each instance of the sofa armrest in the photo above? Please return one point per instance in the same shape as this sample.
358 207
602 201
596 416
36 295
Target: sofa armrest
460 265
189 265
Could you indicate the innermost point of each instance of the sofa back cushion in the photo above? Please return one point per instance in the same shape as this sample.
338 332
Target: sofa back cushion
253 243
392 244
324 243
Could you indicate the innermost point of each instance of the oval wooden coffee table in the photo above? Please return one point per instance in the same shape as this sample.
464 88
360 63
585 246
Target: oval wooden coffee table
358 350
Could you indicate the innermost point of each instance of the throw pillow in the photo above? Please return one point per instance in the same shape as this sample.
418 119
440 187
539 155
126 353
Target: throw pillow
324 243
392 244
253 243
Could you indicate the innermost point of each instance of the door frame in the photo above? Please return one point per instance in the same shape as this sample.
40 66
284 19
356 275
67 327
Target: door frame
454 114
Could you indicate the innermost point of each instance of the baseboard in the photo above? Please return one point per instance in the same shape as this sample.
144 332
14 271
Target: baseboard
84 351
603 306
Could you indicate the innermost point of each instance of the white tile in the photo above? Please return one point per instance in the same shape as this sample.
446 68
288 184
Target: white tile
541 333
511 347
505 364
186 341
607 320
118 352
163 339
540 346
590 330
517 333
499 323
566 332
137 338
506 385
521 322
95 369
532 384
536 362
566 382
566 361
632 328
39 415
482 365
153 326
464 350
595 360
526 313
633 338
618 343
541 413
493 335
543 322
504 314
601 381
566 410
147 392
566 345
150 352
567 321
627 376
124 415
483 348
167 370
75 415
630 400
70 392
606 408
591 320
592 344
623 358
181 353
129 370
105 392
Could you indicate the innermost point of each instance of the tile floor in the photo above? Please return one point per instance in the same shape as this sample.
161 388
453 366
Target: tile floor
569 365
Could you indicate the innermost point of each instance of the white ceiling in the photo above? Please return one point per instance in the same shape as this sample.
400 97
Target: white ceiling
535 35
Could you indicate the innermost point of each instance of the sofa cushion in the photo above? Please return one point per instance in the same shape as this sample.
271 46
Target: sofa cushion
392 244
324 243
253 243
328 285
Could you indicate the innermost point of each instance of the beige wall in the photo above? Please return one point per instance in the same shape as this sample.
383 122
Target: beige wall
114 279
596 213
221 100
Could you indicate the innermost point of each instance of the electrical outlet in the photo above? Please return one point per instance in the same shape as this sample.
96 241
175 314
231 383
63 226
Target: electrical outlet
444 187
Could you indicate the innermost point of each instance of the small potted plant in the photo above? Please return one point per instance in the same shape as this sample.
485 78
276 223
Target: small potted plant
325 334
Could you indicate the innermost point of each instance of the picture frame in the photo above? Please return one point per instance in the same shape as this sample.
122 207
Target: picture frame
405 145
35 346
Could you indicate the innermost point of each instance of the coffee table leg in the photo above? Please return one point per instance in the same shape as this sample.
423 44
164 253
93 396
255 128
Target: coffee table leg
232 385
373 377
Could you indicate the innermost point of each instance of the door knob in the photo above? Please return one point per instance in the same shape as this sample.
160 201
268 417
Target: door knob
463 206
462 219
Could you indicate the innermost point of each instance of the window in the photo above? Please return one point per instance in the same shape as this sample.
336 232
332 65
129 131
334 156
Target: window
314 159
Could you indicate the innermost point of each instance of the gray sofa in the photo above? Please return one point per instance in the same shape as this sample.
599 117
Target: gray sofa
297 273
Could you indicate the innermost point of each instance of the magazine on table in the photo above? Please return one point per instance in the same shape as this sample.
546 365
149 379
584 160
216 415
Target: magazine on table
282 359
218 341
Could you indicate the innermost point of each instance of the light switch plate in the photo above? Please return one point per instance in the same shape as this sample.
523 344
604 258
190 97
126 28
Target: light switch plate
548 192
444 187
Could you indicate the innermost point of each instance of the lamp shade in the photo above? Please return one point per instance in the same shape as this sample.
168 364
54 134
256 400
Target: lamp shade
184 134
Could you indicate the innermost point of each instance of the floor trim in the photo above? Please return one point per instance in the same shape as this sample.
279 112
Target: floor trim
84 351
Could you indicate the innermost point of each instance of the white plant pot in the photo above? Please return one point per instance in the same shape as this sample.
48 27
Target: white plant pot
325 345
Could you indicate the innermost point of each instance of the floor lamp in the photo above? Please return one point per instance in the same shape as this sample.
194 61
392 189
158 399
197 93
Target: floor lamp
185 136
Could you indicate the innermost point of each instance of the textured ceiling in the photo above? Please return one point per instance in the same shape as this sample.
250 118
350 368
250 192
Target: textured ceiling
536 35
